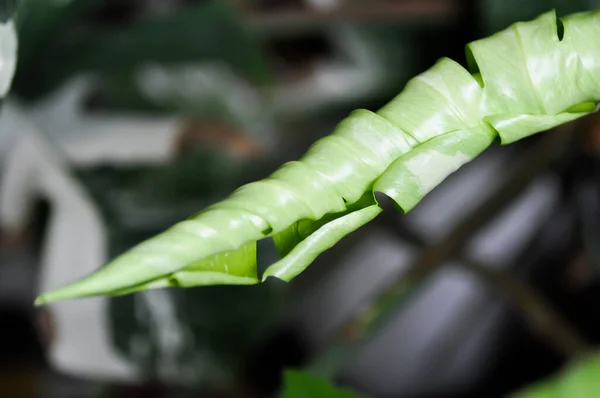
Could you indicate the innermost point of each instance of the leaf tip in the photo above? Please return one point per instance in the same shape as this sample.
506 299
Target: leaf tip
273 275
41 300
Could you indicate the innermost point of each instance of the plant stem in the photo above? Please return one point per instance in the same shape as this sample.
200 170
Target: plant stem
534 309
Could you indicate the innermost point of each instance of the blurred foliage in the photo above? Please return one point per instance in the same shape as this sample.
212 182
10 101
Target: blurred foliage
195 176
299 384
580 380
498 14
60 39
7 9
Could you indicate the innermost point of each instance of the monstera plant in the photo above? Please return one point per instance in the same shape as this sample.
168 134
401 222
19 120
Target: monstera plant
526 79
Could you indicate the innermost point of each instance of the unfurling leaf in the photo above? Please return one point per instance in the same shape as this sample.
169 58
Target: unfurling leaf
523 80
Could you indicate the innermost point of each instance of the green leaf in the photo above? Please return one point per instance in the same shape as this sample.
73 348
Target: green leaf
304 385
416 173
522 81
580 380
308 249
237 267
546 76
545 389
444 99
329 226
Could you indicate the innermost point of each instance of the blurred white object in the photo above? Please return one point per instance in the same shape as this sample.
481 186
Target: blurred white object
87 139
75 245
324 5
36 159
8 55
8 60
357 72
455 316
192 87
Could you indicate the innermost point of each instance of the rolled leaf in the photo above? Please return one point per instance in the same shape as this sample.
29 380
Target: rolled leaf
521 81
416 173
307 250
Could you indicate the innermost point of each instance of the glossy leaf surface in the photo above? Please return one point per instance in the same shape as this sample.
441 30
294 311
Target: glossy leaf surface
523 80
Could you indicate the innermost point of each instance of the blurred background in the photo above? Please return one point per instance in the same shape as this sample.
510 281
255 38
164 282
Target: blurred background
126 116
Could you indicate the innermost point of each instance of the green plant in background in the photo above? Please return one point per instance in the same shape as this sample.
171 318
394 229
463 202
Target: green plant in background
299 384
61 39
578 380
526 79
498 14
